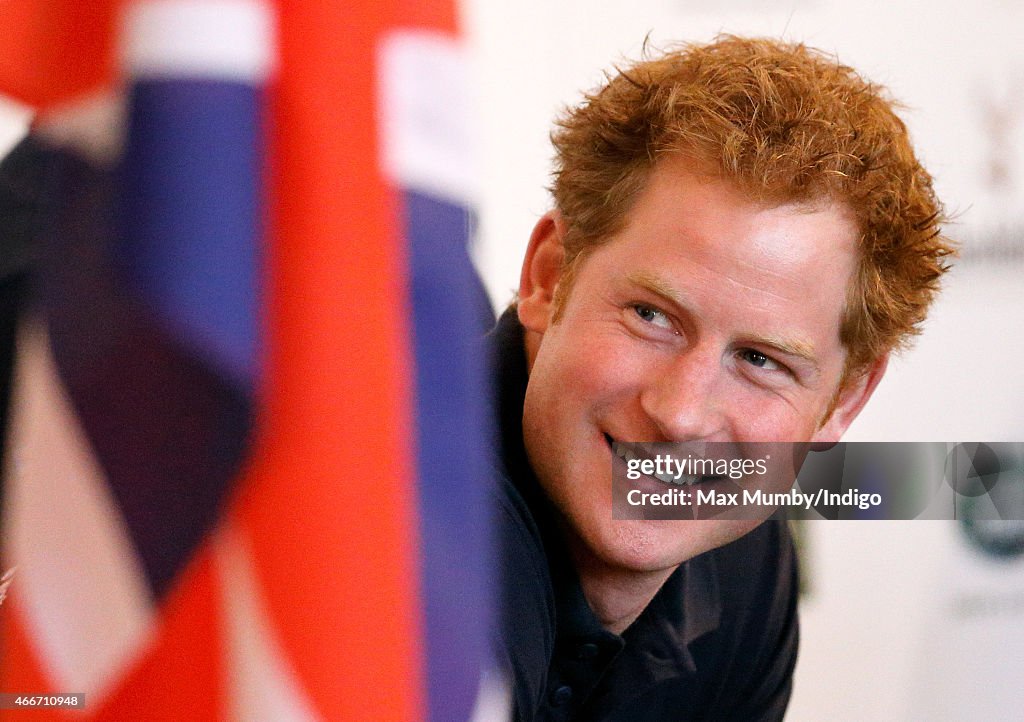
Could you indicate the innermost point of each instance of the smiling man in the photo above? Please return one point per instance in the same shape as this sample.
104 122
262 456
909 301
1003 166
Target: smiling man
741 236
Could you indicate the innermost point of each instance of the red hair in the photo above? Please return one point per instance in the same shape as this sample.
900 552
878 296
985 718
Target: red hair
785 123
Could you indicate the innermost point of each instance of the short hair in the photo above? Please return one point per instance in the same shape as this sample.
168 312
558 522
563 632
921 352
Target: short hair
785 123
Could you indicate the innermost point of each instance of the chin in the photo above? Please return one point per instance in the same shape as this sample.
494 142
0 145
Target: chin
656 545
645 546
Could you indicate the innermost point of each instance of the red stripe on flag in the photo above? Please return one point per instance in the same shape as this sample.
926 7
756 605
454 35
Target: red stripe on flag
330 505
181 675
54 51
437 15
20 668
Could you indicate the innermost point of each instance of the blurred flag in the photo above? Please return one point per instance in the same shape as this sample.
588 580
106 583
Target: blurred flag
246 471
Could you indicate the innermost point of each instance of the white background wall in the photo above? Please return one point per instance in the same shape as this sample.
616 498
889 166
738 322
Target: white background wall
885 636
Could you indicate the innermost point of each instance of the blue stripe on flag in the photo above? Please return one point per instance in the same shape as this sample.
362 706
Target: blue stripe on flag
192 194
451 314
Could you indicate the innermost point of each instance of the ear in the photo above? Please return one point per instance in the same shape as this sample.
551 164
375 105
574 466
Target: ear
542 269
852 399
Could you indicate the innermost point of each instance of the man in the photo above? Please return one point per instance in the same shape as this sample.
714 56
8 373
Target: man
741 237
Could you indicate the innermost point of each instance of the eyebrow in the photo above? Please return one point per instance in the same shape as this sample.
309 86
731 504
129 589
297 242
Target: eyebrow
791 347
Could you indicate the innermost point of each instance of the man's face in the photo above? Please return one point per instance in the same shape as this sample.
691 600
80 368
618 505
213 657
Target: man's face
706 318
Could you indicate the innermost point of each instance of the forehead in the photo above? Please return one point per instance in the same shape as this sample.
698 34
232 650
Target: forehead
688 209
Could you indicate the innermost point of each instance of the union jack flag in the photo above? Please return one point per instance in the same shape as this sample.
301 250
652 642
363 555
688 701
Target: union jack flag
247 457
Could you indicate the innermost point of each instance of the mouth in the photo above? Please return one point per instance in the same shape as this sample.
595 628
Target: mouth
660 462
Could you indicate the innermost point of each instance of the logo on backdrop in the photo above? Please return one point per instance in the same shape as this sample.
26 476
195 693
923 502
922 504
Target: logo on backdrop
989 480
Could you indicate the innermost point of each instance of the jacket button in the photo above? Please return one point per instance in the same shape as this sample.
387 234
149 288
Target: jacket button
561 696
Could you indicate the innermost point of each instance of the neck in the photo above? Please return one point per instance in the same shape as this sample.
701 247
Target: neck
617 596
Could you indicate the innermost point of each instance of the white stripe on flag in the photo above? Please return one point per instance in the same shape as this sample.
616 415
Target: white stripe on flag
93 126
428 134
79 582
224 39
261 683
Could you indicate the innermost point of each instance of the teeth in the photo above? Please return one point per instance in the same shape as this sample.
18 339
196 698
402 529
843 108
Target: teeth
623 451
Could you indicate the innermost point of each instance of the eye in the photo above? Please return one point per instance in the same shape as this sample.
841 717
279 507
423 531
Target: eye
653 316
759 360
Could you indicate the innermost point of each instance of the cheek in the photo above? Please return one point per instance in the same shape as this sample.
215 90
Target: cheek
597 367
607 369
758 416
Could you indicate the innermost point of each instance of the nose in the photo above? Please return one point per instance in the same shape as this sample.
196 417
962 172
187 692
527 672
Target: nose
683 398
